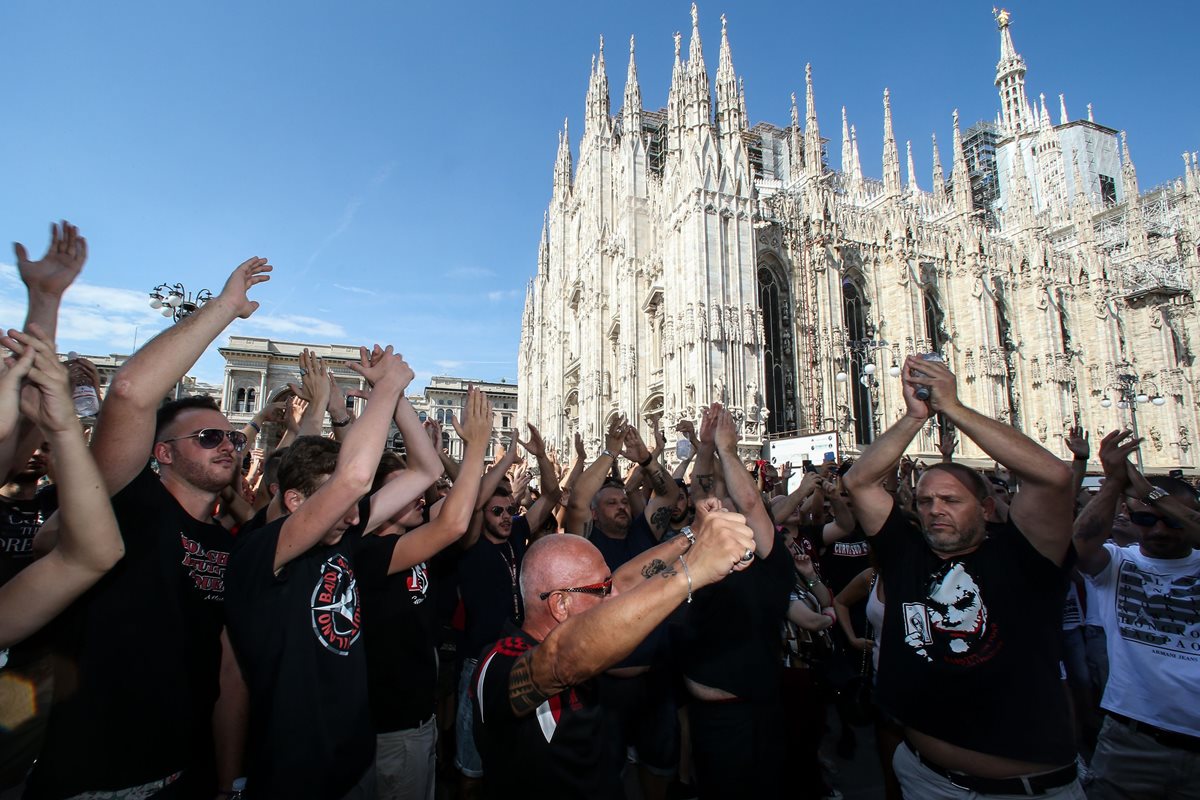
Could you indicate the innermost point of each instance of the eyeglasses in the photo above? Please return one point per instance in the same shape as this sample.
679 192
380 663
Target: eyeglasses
211 438
1146 519
603 589
498 510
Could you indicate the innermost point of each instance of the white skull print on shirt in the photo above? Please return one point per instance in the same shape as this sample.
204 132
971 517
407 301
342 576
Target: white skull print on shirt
952 624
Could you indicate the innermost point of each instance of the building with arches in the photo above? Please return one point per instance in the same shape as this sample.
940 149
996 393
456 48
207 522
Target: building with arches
687 256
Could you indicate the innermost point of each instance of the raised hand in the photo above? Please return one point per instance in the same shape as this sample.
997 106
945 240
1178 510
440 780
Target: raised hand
635 449
1078 442
947 444
433 429
379 363
725 431
314 385
708 423
61 265
688 429
535 446
943 386
295 410
1114 455
12 373
722 541
615 437
46 397
249 273
580 451
477 418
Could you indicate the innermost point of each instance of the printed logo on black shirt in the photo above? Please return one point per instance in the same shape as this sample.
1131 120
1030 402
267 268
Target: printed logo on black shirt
952 623
418 583
205 567
336 615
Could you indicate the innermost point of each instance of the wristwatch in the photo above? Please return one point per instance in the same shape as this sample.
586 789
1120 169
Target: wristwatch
1155 495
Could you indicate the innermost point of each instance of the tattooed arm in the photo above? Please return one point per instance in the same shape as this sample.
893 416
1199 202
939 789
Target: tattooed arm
1094 524
584 644
666 491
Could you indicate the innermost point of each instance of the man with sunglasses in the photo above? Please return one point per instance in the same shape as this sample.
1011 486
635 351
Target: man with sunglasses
154 683
540 720
1147 596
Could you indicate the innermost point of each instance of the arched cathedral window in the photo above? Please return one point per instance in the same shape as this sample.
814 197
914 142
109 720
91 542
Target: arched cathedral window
779 357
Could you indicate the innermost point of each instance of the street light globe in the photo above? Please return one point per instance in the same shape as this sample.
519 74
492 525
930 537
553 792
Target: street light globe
156 302
894 371
174 299
869 368
840 377
1106 403
1158 401
166 311
1123 404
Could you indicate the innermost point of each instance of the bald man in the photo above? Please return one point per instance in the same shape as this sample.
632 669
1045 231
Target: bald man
539 720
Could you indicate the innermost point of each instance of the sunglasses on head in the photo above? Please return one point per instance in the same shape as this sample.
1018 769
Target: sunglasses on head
211 438
1146 519
498 510
603 589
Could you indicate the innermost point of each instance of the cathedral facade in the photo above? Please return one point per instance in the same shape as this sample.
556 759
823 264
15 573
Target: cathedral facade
689 257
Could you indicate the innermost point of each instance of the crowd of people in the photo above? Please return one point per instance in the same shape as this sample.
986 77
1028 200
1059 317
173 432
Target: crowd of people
193 609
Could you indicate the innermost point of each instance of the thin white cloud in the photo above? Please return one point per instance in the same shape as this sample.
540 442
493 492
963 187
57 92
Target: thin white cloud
356 289
307 329
497 296
470 272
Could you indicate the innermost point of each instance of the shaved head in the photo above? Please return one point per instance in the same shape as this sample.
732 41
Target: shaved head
558 562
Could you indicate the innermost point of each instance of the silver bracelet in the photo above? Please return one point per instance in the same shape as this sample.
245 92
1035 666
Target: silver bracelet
687 573
609 453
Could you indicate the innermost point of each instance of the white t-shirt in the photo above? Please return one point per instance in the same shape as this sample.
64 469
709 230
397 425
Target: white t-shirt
1150 609
1072 613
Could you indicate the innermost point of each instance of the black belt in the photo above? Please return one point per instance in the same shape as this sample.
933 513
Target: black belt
1028 785
1180 741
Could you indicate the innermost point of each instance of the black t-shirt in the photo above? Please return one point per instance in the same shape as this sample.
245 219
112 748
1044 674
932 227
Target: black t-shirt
564 749
488 582
844 559
401 634
638 539
139 654
298 639
20 521
971 644
733 643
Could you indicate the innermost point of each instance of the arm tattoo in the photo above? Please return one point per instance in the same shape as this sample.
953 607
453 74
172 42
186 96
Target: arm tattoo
658 566
659 519
523 696
658 478
706 482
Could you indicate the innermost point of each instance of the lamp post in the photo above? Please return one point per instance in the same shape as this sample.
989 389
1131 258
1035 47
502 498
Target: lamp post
175 302
858 363
1132 392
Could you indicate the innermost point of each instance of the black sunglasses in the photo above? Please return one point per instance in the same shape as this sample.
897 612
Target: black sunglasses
498 510
211 438
603 589
1146 519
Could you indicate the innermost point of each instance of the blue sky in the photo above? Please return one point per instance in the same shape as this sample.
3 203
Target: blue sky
394 161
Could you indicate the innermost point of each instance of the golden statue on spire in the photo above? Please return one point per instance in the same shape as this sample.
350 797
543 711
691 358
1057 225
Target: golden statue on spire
1002 17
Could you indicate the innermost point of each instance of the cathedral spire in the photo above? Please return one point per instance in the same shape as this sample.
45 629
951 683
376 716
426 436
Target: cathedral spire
939 176
544 245
631 109
960 180
596 118
1128 172
1062 110
697 102
1044 116
675 99
891 157
846 152
912 174
1189 178
812 133
562 166
1010 79
729 106
1019 203
797 142
854 159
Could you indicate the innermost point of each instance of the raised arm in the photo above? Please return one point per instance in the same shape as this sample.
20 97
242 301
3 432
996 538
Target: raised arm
540 511
124 433
854 593
1043 508
1094 524
313 517
423 543
584 645
706 478
46 280
340 415
666 491
782 507
89 542
423 469
742 490
585 488
1079 444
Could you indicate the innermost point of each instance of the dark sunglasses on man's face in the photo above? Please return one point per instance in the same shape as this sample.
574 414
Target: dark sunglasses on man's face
1146 519
603 589
211 438
498 510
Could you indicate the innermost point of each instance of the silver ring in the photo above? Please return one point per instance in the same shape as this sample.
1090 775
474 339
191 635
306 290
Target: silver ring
749 554
303 372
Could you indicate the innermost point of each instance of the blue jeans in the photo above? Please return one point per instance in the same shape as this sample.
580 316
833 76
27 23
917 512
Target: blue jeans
466 756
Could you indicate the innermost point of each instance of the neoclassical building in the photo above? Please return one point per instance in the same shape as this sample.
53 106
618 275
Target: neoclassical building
688 256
